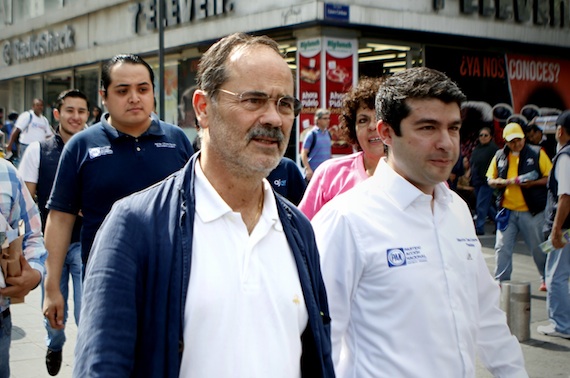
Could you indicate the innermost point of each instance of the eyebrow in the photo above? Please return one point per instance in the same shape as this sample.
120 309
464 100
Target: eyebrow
123 85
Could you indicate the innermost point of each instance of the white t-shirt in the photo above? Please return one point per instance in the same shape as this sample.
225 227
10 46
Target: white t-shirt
34 129
245 310
29 167
561 174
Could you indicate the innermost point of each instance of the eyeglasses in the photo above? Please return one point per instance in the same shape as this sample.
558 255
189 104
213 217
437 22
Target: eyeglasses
254 101
484 135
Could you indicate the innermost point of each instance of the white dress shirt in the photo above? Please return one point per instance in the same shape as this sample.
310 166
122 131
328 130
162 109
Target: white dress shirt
245 310
409 292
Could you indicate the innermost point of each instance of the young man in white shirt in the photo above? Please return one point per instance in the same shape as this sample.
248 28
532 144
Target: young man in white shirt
410 294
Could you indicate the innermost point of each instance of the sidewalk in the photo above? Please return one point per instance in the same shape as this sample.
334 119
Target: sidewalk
546 357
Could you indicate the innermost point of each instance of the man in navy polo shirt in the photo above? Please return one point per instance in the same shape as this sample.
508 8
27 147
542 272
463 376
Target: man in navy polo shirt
128 151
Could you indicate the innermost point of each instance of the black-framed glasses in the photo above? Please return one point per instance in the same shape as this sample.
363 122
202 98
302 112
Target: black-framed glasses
255 100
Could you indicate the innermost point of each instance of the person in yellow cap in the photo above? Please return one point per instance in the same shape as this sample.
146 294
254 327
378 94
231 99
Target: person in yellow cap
519 171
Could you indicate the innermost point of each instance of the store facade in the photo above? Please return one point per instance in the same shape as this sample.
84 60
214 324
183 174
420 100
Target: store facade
506 51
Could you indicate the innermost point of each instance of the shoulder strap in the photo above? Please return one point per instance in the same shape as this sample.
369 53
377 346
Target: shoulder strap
314 141
29 121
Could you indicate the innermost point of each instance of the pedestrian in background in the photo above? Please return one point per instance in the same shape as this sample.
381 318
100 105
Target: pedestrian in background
8 129
409 290
96 114
480 159
519 171
38 168
129 150
211 262
317 146
558 221
31 126
358 123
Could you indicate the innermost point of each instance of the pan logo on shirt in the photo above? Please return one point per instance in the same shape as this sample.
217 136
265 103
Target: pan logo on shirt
95 152
405 256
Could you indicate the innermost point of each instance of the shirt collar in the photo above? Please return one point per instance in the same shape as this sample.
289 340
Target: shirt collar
405 194
154 129
211 206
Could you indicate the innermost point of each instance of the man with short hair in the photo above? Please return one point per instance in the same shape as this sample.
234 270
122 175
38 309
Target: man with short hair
409 290
209 273
31 126
129 150
38 168
535 135
317 143
558 222
520 172
480 159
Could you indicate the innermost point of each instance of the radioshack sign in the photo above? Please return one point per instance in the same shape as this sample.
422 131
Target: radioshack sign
38 45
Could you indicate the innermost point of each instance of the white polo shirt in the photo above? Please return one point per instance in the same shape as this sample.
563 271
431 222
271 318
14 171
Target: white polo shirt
409 292
245 310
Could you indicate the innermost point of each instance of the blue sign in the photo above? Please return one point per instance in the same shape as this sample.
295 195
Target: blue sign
337 12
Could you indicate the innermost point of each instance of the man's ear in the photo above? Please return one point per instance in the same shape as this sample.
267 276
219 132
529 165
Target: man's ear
200 102
384 131
56 114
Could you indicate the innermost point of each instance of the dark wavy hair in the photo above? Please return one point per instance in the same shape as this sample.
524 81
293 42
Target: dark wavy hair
415 83
363 94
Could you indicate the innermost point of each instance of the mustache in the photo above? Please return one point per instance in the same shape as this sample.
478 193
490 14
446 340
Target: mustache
266 132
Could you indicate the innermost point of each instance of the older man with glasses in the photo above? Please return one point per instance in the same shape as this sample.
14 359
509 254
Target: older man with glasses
480 159
209 273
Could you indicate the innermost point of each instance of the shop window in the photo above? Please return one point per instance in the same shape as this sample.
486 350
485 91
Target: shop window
87 81
54 84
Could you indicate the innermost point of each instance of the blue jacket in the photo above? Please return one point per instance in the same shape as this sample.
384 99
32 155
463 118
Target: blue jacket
137 280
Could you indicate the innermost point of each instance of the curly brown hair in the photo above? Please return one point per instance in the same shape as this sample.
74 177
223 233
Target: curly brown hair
364 94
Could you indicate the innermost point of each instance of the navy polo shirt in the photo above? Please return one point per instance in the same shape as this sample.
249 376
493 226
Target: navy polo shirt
101 165
287 180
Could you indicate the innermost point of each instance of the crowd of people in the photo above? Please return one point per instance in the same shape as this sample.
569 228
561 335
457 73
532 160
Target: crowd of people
349 269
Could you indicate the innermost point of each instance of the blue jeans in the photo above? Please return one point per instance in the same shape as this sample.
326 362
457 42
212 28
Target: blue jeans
72 266
485 206
558 296
531 229
5 339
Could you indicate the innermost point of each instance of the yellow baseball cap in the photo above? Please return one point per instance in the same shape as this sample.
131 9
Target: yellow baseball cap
513 130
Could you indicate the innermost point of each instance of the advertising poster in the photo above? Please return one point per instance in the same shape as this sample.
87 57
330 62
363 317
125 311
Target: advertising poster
308 83
340 75
507 81
539 81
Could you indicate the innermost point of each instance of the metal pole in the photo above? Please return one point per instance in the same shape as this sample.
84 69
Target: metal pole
515 301
161 59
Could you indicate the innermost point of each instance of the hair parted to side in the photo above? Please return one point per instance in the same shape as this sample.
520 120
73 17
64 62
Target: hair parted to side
413 83
122 58
71 93
212 68
364 94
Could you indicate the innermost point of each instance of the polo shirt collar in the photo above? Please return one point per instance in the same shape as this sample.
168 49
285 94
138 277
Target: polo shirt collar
211 206
407 194
155 128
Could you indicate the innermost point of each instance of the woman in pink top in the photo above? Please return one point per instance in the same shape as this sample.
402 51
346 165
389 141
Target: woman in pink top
358 122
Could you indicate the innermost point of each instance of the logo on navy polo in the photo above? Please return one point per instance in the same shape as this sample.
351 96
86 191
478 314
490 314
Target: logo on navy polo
280 182
529 161
96 152
165 145
396 257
